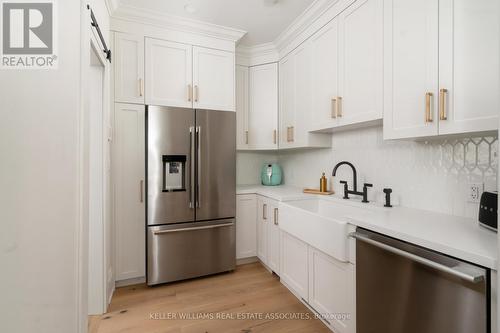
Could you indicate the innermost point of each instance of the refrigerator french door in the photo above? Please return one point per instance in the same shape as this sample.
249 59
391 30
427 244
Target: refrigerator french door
191 193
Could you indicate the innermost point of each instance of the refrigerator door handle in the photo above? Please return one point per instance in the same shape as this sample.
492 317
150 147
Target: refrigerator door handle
161 232
198 182
191 167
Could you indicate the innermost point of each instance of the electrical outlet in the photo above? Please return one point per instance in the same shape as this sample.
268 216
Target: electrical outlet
475 191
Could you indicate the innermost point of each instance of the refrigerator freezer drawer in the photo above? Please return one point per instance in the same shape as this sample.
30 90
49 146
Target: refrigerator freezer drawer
183 251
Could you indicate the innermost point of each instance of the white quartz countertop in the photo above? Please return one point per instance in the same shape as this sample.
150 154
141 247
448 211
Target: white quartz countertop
456 236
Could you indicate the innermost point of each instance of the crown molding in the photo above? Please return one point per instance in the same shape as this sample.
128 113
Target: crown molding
291 37
112 5
302 22
256 55
149 17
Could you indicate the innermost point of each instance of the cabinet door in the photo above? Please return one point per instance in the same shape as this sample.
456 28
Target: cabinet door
361 63
168 73
129 68
294 265
242 107
287 100
129 175
331 289
410 68
469 58
263 114
246 226
262 229
213 79
274 238
303 95
325 76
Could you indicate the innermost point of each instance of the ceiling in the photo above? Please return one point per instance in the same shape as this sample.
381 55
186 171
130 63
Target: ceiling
264 20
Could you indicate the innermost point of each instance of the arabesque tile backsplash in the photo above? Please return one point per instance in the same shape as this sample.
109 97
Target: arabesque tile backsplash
432 175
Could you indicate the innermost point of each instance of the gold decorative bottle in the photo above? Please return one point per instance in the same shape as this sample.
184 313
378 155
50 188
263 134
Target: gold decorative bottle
323 184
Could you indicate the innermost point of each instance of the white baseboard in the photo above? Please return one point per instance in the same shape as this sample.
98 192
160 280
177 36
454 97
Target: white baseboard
130 282
244 261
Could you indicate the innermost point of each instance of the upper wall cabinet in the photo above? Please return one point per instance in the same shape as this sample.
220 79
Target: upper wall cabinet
263 111
213 79
360 63
296 101
181 75
347 68
129 68
441 67
325 76
469 57
242 107
168 73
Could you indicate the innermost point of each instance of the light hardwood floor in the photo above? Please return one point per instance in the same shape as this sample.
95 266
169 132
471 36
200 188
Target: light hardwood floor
250 289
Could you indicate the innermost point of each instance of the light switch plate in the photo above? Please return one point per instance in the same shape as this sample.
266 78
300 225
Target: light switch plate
474 192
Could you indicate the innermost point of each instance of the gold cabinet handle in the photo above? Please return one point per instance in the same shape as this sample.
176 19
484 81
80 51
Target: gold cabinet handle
275 135
141 189
190 93
443 94
141 87
276 216
246 137
428 111
339 107
292 131
334 108
196 93
288 134
264 211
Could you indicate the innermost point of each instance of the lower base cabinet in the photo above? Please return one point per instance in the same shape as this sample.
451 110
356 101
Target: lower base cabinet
268 233
324 283
246 228
294 268
331 290
273 238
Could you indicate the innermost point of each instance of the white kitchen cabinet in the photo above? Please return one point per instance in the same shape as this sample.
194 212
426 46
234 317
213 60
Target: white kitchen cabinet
347 68
129 176
287 100
262 229
263 107
246 226
242 77
332 290
296 101
213 79
410 68
274 237
361 94
294 270
441 67
469 58
169 72
129 68
325 76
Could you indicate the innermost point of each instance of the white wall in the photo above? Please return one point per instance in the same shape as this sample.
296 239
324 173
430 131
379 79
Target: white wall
422 174
39 199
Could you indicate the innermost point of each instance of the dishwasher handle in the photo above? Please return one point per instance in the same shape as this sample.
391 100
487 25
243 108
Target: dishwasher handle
474 278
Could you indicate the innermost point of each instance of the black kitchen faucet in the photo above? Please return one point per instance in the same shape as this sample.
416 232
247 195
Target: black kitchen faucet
364 194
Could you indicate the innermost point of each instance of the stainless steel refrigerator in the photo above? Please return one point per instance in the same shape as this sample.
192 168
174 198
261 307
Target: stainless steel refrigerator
191 193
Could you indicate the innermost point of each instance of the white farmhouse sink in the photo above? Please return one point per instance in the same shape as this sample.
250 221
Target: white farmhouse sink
320 223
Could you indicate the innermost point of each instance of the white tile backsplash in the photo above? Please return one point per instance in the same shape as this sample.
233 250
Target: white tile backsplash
249 165
431 175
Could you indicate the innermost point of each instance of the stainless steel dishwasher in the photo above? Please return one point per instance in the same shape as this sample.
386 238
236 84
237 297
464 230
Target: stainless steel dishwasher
403 288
